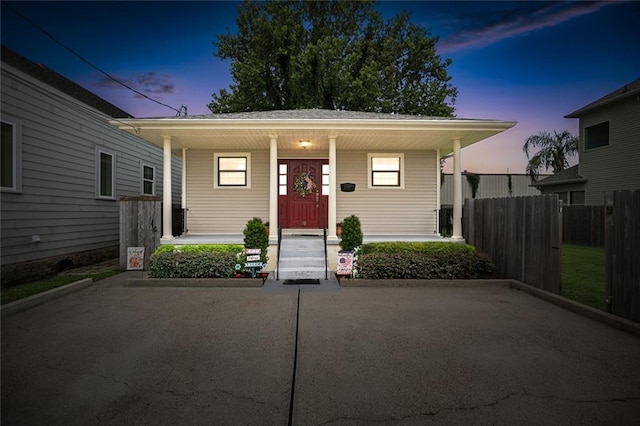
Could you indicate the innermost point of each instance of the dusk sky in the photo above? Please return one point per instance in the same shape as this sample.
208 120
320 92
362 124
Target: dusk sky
530 62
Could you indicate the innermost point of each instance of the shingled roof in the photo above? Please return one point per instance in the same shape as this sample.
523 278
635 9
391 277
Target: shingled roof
314 114
570 175
57 81
631 89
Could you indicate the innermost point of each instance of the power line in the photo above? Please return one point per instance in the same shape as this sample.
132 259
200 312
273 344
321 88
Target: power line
52 37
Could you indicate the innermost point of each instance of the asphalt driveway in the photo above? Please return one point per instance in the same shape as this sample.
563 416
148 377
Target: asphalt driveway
111 354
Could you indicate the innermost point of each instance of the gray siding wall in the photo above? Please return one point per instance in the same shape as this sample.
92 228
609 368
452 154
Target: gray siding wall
617 165
490 186
57 200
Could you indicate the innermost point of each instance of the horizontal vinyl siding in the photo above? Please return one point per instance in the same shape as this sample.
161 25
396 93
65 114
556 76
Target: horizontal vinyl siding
58 198
616 166
490 186
410 210
224 210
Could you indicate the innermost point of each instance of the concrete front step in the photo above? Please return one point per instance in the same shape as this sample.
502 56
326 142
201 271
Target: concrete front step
300 275
301 257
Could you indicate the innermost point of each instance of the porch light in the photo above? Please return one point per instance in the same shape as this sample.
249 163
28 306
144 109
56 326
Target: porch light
305 144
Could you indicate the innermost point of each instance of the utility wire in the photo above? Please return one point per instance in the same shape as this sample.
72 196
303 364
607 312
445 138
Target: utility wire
52 37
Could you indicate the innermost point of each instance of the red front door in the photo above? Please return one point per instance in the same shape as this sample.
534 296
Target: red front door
302 202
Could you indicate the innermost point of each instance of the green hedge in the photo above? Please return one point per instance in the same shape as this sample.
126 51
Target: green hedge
462 266
192 265
200 248
416 247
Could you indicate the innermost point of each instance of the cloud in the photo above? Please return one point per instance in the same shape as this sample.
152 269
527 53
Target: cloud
149 83
513 20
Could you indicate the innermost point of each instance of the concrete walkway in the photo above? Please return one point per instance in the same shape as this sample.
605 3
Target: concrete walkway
111 354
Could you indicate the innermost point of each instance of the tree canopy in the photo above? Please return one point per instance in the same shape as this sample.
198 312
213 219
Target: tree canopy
554 152
331 55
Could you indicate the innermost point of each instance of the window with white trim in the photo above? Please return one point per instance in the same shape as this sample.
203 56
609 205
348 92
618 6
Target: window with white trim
325 179
232 170
282 179
148 180
8 163
106 176
386 170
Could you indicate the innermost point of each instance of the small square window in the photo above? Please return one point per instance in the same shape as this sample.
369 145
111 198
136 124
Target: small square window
386 170
596 136
232 170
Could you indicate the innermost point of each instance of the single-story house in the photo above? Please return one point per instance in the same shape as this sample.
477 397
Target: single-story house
289 167
64 170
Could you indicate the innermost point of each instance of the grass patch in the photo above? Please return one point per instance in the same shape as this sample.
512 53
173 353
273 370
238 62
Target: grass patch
21 291
583 275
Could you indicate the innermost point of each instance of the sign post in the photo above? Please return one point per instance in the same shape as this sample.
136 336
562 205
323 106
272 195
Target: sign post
253 260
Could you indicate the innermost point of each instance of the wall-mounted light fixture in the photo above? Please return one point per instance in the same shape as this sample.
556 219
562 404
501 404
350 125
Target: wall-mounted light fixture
305 144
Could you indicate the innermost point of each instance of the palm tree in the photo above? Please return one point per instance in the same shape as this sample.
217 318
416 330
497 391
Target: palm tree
554 152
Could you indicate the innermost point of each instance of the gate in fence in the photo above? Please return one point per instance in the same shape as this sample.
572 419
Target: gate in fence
522 235
622 247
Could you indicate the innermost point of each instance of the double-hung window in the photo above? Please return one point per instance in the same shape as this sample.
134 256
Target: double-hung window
386 170
8 153
106 166
232 170
148 180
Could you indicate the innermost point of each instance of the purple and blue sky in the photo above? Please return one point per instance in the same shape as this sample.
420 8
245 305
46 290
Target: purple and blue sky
527 61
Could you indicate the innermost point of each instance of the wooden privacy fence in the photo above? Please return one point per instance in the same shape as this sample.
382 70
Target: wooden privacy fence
522 235
622 247
583 225
140 226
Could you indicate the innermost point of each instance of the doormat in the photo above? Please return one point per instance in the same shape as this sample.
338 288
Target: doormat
302 281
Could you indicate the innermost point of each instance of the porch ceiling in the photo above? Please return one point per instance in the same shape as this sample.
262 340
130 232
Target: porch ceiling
350 134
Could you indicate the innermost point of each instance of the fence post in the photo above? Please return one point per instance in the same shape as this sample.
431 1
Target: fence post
140 226
608 245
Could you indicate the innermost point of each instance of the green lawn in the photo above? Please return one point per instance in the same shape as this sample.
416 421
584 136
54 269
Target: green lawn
583 275
25 290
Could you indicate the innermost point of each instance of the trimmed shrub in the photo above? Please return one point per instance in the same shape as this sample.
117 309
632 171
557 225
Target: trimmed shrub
200 248
192 265
416 247
351 233
462 266
256 236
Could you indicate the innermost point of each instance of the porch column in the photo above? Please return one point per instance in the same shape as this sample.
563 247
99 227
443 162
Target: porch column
273 188
184 178
333 188
438 193
167 232
184 190
457 193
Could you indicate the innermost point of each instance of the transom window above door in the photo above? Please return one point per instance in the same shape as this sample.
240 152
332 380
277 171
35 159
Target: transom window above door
232 170
386 170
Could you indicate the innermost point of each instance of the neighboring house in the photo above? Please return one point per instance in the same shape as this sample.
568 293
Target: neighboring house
490 186
64 168
255 164
609 151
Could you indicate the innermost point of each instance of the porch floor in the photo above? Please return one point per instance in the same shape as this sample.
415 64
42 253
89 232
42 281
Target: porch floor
239 238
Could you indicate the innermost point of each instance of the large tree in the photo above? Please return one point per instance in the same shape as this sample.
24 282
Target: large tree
553 152
332 55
